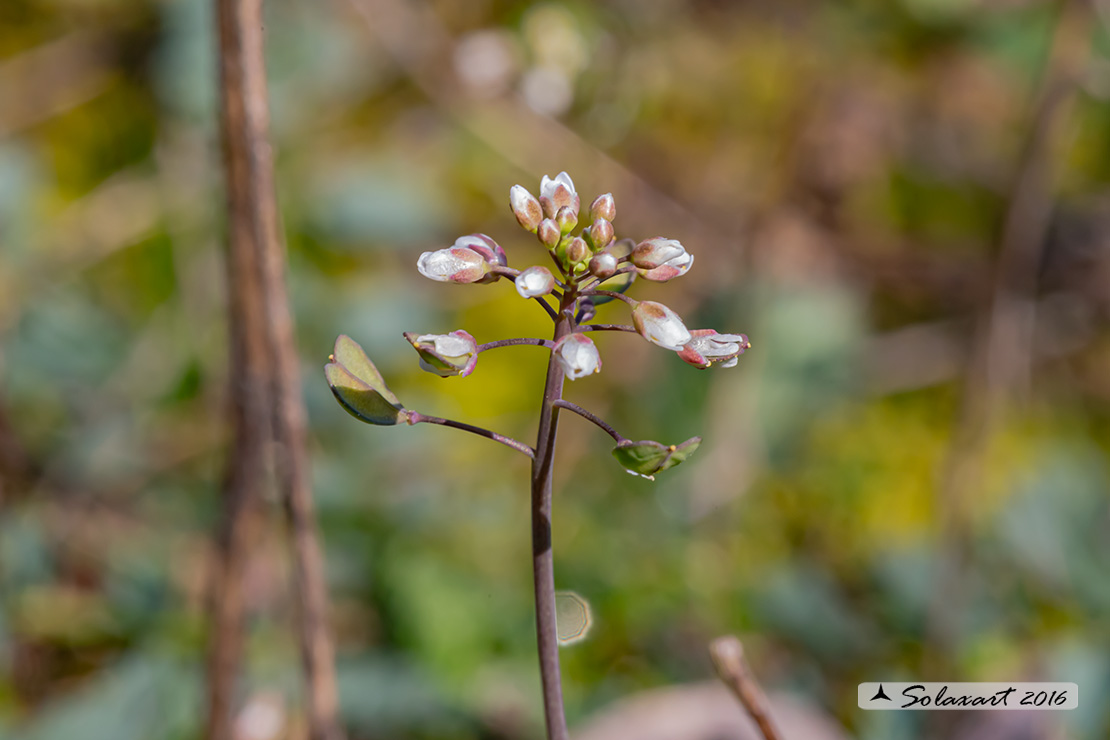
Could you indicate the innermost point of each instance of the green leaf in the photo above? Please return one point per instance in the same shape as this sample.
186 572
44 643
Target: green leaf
647 458
359 387
351 356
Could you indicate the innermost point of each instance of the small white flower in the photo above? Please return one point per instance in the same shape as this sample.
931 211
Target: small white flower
535 281
660 325
578 356
707 347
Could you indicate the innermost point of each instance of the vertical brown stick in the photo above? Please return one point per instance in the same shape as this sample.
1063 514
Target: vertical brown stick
265 385
249 391
728 658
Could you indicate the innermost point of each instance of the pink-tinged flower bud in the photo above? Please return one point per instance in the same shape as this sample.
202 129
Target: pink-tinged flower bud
484 246
660 325
603 207
652 253
535 281
601 233
706 347
661 259
566 219
453 265
603 265
445 354
557 193
577 250
578 356
526 207
548 232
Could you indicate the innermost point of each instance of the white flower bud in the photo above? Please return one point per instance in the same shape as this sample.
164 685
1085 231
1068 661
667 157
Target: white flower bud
445 354
526 207
453 265
577 355
660 325
603 265
535 281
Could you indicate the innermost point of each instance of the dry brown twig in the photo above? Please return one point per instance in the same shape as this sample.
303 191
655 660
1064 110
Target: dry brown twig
265 394
732 667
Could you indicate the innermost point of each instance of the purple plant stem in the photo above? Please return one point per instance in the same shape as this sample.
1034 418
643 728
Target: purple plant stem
418 418
610 294
562 404
510 342
543 565
607 327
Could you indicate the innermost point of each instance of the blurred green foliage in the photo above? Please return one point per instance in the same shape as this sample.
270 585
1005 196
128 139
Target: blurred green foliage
852 161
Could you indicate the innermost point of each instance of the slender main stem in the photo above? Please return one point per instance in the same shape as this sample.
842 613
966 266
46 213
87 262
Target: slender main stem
543 564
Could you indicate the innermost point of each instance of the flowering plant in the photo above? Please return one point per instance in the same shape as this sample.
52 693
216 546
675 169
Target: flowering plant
593 268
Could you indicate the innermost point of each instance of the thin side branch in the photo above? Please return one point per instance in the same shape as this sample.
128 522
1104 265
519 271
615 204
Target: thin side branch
510 342
418 418
547 307
732 667
610 294
607 327
564 404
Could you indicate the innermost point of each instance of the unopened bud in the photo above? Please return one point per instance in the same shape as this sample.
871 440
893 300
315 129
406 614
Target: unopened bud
661 259
454 265
567 219
660 325
535 281
603 207
557 193
603 265
548 232
445 354
526 207
577 250
601 233
577 355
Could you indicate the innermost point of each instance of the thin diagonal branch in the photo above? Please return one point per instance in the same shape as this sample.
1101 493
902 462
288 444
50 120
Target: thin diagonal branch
511 342
417 418
732 667
564 404
547 307
607 327
610 294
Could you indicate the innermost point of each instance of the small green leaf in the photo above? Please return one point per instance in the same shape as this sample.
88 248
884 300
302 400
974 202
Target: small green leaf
351 356
359 387
647 458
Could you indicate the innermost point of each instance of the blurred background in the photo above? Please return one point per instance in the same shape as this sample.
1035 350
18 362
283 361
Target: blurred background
903 204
